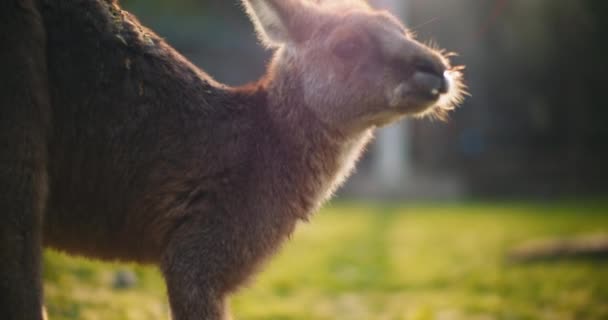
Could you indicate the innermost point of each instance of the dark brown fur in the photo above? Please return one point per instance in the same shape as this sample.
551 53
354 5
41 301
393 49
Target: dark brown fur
152 161
24 124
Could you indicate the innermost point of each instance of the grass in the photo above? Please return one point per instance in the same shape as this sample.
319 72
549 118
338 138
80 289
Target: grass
422 262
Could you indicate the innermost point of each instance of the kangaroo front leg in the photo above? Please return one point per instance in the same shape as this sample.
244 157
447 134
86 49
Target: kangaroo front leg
192 298
193 267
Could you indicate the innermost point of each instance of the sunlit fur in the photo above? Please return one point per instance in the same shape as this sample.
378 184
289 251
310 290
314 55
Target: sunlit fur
450 101
455 97
341 4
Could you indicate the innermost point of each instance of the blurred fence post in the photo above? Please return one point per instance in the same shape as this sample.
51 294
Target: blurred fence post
392 165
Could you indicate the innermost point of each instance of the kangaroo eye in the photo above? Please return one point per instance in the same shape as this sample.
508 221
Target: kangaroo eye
347 49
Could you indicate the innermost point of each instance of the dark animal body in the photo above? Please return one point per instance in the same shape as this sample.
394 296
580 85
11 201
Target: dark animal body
148 159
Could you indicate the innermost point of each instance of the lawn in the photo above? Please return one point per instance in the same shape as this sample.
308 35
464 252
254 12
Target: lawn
393 262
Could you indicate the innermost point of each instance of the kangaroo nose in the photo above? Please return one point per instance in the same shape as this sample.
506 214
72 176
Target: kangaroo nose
429 77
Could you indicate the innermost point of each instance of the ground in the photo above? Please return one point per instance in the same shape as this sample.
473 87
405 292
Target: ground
385 262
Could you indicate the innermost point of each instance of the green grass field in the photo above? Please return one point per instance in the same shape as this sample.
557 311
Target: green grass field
419 262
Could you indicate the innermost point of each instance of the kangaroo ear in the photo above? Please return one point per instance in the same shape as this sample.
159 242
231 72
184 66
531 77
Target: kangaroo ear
281 21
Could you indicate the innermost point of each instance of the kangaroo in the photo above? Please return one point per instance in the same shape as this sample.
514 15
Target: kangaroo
148 159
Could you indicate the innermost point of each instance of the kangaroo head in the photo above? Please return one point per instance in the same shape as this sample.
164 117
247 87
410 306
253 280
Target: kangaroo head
354 66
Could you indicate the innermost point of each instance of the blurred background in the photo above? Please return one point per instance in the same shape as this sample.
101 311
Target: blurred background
499 213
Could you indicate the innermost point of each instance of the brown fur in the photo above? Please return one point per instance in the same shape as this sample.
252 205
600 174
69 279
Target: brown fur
24 123
150 160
